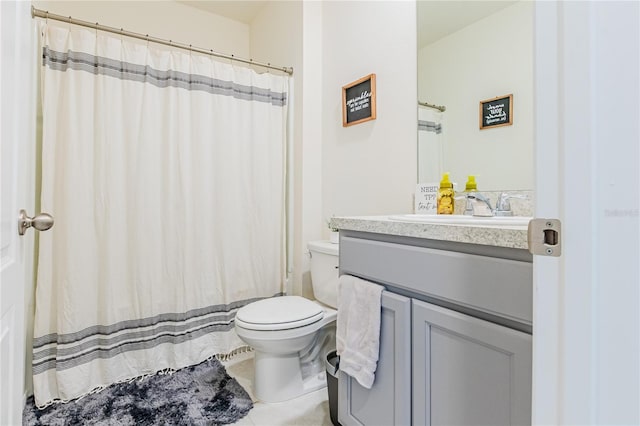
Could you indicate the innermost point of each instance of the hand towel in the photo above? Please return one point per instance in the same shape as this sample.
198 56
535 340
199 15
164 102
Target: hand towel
358 328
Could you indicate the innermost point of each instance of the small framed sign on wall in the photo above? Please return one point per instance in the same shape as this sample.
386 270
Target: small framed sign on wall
496 112
359 101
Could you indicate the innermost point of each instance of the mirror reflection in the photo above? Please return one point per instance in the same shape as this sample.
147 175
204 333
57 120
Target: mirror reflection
468 52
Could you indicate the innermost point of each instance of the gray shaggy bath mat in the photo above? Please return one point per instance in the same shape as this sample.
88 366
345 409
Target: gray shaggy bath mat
202 394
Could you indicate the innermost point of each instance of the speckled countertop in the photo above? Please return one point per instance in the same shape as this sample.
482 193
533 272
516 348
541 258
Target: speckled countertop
512 237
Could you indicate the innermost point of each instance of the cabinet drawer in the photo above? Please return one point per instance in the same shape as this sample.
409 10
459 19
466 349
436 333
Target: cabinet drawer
500 287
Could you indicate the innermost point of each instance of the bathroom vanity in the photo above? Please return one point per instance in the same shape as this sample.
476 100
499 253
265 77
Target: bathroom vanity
456 323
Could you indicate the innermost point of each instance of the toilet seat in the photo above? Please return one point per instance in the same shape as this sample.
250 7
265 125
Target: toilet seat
279 313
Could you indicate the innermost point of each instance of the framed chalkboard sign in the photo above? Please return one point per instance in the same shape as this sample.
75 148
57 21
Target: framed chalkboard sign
496 112
359 101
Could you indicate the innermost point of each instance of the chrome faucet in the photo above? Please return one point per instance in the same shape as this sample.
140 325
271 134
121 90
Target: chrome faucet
478 205
503 206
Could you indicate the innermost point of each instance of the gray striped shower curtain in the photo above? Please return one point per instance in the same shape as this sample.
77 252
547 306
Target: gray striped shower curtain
166 174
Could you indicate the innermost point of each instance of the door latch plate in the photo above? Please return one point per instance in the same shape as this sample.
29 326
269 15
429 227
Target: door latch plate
544 237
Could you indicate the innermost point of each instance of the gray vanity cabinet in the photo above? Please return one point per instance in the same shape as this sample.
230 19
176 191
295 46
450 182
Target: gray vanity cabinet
456 328
388 402
467 371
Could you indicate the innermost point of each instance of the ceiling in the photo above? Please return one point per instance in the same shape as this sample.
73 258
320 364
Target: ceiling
436 18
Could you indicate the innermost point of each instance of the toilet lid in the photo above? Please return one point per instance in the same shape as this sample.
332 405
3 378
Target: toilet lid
279 313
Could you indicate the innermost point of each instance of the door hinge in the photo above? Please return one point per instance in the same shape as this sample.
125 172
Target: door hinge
544 237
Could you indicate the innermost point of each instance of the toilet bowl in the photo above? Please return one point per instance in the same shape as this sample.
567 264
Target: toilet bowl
291 334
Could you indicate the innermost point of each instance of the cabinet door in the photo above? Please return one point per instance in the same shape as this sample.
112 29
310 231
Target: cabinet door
388 402
468 371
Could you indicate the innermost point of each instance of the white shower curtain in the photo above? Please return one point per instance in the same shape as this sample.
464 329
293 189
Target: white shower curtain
165 172
430 145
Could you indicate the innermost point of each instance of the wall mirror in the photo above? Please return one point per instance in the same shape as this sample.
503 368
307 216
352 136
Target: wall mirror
468 52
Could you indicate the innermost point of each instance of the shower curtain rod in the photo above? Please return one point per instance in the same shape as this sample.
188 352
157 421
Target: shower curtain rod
440 108
38 13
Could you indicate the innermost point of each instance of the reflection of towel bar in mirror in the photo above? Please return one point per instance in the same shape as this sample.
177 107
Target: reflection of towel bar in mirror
440 108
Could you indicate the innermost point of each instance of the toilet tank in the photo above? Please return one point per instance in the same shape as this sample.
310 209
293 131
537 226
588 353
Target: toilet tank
324 271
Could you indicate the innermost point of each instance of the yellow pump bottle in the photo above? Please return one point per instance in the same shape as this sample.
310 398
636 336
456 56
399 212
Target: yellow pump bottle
471 185
470 189
445 196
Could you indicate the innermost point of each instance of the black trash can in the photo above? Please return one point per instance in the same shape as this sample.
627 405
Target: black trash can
332 363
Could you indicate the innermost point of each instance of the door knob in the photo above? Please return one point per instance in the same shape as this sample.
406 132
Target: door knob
41 222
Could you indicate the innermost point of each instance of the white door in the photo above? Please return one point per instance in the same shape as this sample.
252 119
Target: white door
586 352
17 159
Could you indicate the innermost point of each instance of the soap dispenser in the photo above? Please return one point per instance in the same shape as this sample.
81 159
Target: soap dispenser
470 188
445 196
471 184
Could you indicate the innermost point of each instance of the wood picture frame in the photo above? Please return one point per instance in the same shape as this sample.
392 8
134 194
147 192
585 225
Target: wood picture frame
496 112
359 101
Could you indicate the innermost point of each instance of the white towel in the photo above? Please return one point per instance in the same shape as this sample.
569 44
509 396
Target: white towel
358 328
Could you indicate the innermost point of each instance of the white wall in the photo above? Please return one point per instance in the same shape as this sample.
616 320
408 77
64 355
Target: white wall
309 219
318 39
369 168
162 19
363 169
490 58
278 36
275 35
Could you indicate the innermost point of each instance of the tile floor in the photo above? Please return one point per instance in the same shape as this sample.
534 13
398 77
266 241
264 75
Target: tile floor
311 409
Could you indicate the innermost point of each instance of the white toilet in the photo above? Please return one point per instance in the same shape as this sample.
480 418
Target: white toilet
291 334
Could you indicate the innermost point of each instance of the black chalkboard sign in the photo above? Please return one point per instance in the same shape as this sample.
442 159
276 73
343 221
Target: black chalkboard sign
359 101
496 112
